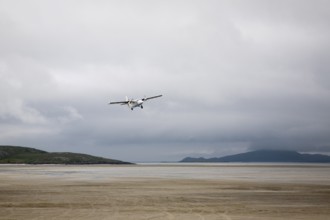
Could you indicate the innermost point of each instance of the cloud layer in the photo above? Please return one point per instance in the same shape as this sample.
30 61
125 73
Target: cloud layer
235 75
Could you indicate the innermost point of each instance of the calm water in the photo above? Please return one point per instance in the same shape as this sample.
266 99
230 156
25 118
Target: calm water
284 173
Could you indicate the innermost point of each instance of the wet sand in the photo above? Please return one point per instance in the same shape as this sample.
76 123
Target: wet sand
38 196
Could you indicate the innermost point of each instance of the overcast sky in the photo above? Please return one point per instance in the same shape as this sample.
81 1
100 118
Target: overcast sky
235 76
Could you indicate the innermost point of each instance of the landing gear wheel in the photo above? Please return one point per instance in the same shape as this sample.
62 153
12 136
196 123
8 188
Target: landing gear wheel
141 106
132 109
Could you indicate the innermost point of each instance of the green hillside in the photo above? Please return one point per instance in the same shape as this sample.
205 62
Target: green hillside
26 155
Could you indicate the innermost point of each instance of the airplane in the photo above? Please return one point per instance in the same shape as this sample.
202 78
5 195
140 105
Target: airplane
133 103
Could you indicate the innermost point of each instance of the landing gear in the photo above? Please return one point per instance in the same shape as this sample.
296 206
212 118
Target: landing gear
132 109
141 106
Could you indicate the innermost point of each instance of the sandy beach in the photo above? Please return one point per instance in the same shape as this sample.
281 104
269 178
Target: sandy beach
70 192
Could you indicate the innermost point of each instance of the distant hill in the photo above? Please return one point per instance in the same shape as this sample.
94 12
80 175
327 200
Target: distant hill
266 156
26 155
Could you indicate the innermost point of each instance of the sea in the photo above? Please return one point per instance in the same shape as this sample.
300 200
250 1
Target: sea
309 173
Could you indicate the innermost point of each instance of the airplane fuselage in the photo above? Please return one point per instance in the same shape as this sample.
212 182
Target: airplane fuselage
135 103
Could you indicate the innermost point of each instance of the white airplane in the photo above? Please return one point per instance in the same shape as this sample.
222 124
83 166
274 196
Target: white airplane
133 103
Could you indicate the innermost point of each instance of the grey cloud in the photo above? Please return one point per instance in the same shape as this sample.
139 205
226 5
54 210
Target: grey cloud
235 76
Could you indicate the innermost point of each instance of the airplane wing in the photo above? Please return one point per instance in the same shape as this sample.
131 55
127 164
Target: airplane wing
122 102
153 97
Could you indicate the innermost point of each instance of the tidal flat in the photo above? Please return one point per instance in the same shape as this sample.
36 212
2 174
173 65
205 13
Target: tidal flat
165 191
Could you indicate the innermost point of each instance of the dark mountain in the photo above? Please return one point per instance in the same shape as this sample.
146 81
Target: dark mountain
25 155
266 156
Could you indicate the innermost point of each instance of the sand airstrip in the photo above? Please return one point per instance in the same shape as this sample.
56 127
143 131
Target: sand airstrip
83 192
